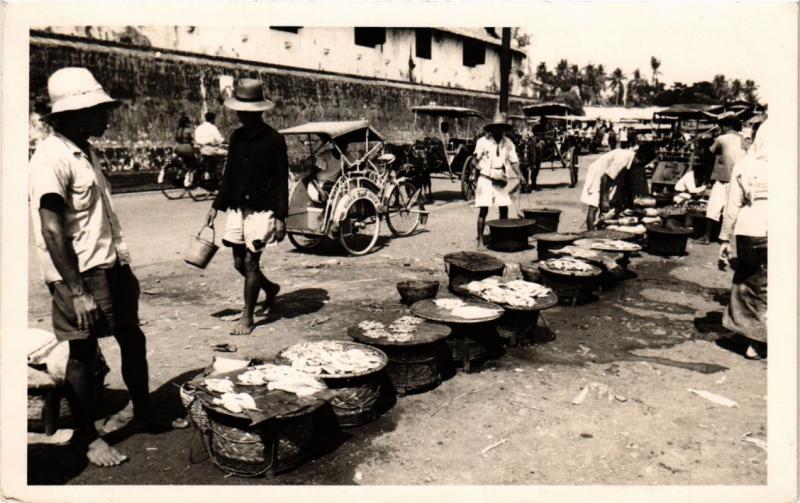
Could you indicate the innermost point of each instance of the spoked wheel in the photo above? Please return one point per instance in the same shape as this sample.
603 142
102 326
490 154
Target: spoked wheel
172 192
360 226
169 187
200 194
303 242
468 179
403 208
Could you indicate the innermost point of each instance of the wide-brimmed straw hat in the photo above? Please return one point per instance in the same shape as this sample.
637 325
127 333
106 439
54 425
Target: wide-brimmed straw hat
499 121
75 88
729 118
248 96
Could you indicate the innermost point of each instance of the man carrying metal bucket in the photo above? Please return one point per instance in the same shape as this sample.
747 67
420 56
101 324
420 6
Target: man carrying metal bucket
84 258
254 193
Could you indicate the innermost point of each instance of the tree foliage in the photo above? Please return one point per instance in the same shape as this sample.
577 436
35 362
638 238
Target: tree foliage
596 87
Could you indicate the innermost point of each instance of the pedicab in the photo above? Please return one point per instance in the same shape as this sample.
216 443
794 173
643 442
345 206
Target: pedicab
351 208
448 143
549 142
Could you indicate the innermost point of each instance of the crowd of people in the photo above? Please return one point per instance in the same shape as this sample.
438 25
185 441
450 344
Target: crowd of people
87 266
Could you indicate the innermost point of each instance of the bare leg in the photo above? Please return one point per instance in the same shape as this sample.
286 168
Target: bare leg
270 289
591 215
482 212
252 285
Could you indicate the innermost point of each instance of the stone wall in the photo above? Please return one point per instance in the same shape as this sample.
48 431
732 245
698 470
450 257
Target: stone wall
157 85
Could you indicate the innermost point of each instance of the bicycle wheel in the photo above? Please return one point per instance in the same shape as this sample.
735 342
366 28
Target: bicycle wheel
167 185
302 242
468 179
360 227
403 208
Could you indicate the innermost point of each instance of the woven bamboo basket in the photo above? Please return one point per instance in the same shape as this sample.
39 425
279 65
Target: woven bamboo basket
273 447
355 400
416 368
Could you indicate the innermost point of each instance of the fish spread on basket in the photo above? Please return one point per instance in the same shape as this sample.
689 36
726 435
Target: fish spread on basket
236 402
578 252
449 303
614 244
517 293
460 309
401 330
218 385
331 358
282 377
568 265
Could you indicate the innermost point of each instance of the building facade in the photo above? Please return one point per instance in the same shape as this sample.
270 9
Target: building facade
459 58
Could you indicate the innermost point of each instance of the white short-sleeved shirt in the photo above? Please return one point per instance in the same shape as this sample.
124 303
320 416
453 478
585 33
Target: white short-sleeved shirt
208 136
329 167
687 184
618 160
60 167
492 155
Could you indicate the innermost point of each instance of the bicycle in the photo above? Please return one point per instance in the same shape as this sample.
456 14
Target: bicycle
402 203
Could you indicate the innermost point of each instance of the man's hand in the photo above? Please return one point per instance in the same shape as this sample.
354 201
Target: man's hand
85 310
280 229
212 214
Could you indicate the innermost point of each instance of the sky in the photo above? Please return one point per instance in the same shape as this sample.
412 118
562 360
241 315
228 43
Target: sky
693 41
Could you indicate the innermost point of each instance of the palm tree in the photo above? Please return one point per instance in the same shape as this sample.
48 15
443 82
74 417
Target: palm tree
655 64
636 88
735 90
618 84
749 90
588 83
562 75
600 79
720 87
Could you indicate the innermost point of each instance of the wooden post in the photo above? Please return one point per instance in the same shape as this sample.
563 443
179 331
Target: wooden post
505 69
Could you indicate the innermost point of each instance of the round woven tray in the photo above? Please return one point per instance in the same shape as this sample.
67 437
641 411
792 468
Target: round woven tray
595 271
426 333
608 234
594 257
346 345
542 303
430 311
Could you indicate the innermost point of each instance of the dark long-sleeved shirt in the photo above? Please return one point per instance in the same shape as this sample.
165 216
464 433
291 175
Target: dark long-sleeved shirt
256 172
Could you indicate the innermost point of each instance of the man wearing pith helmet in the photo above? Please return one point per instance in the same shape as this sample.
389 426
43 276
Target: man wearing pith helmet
84 259
255 194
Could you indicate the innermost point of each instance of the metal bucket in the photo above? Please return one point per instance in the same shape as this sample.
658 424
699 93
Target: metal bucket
201 251
546 219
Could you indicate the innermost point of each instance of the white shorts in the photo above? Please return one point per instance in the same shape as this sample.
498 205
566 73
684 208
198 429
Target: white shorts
488 194
717 200
253 229
590 194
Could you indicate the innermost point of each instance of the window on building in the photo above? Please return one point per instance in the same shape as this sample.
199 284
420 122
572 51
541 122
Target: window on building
424 43
289 29
370 37
474 52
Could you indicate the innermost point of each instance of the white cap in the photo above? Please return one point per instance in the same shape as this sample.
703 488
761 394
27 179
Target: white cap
75 89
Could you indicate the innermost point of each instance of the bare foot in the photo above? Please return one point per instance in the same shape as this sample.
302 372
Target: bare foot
244 327
701 241
102 454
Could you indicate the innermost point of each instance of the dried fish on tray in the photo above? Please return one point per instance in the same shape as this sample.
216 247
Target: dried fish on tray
569 266
514 294
403 331
457 310
615 245
282 377
334 359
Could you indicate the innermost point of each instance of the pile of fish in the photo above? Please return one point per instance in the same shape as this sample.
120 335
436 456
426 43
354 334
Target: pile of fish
400 330
461 309
568 265
330 358
236 402
516 293
282 377
615 245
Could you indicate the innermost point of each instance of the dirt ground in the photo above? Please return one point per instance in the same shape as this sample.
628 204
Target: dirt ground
649 339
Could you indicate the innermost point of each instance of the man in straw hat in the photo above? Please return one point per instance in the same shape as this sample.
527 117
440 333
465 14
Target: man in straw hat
497 171
84 258
729 148
255 194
